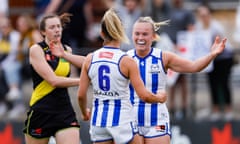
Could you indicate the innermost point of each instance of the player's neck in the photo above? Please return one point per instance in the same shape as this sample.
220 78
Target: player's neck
114 44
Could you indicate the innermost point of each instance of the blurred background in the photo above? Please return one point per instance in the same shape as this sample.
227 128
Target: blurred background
204 107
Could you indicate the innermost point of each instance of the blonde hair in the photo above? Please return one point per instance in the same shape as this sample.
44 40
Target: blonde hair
155 25
112 27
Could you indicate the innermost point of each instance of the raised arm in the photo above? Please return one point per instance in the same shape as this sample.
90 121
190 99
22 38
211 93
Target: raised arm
40 65
57 50
129 68
179 64
76 60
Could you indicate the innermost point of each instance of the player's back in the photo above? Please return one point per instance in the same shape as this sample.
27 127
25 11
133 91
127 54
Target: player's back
111 104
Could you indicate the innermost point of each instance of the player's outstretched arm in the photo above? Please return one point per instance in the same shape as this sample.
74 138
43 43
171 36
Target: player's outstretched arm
179 64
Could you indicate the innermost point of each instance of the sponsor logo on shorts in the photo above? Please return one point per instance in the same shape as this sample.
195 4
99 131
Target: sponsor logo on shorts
160 128
36 132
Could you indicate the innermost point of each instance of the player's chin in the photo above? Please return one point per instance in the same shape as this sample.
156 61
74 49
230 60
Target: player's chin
141 47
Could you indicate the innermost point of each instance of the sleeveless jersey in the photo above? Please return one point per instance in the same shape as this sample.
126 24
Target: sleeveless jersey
154 77
111 103
44 96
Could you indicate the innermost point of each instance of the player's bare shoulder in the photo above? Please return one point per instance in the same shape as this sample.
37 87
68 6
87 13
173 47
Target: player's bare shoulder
127 61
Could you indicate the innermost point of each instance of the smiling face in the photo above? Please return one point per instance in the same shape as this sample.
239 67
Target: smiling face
53 29
143 36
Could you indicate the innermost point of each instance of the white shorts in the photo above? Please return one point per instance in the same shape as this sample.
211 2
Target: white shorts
155 131
121 134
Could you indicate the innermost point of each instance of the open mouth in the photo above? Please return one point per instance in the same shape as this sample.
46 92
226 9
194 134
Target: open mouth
141 42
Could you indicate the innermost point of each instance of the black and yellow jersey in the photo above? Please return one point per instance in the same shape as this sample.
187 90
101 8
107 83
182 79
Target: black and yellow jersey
45 97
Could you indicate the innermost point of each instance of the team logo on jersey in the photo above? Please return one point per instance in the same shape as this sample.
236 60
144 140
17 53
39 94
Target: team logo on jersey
63 60
160 128
46 49
108 55
155 68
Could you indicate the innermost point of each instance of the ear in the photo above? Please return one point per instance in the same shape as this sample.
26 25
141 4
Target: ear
43 33
102 35
154 37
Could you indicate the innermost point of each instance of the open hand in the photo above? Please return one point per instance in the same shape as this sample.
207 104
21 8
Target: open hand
56 48
218 46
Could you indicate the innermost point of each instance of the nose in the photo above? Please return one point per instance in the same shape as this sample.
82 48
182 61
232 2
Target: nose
57 29
140 36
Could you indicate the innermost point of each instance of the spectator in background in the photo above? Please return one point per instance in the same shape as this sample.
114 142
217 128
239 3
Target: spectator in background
29 35
94 12
75 33
9 39
4 9
159 10
43 7
180 20
220 75
129 13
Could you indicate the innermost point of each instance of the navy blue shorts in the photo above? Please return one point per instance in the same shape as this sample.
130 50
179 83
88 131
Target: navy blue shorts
44 125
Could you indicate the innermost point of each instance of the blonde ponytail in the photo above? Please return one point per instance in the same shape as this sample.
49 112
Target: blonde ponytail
112 27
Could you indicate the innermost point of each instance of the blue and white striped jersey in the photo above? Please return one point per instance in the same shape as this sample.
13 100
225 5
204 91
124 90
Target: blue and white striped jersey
154 77
111 104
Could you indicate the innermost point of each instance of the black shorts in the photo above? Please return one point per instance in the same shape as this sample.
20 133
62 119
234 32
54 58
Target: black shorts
44 125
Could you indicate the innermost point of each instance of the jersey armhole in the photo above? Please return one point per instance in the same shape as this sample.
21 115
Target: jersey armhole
90 65
161 58
119 66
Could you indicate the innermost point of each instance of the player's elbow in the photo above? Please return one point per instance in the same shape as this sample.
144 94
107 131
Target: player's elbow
147 99
80 97
144 98
53 82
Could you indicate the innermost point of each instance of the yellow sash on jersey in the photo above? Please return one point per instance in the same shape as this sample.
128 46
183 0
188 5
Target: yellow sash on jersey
44 87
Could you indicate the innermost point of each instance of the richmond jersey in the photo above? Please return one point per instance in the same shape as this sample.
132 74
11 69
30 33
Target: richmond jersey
44 95
111 105
154 77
